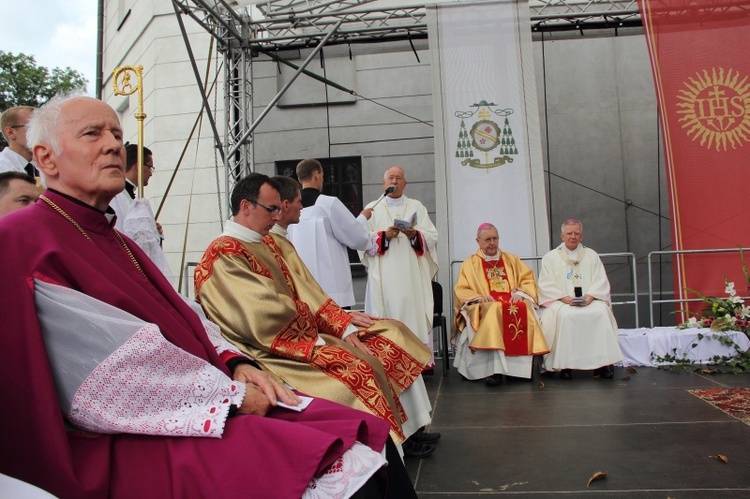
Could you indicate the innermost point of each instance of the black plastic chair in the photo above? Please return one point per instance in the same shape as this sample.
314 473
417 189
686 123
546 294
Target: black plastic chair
439 319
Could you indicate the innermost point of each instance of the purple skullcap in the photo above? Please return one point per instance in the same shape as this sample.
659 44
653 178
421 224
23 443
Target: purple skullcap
484 226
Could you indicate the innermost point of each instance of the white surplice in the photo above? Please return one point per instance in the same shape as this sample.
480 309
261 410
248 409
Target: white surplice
578 337
117 374
11 161
398 281
321 237
135 219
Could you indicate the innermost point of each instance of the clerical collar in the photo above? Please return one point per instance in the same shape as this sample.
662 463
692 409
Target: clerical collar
572 253
109 213
237 231
394 201
309 196
490 258
279 231
130 188
86 215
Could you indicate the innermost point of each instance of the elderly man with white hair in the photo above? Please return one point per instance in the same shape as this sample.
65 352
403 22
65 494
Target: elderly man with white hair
577 320
113 384
496 331
402 259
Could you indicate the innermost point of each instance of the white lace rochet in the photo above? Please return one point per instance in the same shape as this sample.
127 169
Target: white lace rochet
115 373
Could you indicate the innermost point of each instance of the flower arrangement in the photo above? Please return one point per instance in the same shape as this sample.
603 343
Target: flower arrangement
723 314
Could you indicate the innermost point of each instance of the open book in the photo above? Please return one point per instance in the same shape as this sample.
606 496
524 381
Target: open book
406 224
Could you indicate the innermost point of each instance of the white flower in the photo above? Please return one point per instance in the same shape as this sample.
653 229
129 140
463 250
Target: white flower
736 299
730 289
692 322
745 312
730 320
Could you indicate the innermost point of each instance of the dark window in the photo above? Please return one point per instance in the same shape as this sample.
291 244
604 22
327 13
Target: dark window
342 179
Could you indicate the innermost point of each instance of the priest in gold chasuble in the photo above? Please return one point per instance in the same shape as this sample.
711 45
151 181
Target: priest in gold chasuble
247 288
495 296
402 354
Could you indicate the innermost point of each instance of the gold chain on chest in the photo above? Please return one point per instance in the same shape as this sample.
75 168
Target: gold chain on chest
495 274
80 229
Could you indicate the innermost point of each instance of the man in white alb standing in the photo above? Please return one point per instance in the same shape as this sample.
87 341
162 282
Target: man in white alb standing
325 229
401 261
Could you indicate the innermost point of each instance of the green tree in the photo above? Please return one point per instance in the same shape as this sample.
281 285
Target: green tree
23 83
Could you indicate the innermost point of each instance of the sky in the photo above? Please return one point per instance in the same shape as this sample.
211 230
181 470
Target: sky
57 33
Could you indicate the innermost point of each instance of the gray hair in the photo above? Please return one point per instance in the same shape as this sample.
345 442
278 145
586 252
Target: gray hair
385 175
571 221
45 122
484 227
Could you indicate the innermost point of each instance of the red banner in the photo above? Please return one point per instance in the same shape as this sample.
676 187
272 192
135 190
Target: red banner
700 57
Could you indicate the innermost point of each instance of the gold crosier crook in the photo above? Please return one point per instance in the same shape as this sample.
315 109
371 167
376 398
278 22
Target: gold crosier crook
123 86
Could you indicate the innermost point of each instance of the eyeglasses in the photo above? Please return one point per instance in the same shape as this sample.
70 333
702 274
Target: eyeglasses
18 126
272 210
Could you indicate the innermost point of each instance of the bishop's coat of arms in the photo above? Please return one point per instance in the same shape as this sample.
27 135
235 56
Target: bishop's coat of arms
492 143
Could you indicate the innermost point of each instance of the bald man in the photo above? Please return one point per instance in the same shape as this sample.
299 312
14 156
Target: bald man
401 261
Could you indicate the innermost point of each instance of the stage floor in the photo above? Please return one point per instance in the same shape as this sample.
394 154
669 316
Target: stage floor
644 428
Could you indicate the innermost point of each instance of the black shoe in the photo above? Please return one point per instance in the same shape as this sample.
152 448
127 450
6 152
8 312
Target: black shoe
425 437
413 450
603 373
566 374
494 380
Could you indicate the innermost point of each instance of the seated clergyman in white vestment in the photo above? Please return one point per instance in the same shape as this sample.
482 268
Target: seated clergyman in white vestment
496 331
577 319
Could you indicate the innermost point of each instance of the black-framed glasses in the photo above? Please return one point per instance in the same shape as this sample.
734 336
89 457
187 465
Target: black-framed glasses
18 126
272 210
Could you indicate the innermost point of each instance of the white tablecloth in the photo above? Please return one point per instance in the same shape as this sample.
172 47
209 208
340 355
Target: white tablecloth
638 345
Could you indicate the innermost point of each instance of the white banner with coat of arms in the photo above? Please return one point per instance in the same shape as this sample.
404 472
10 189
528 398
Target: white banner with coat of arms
488 145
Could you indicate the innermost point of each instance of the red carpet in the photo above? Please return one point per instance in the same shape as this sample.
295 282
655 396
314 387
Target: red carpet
733 401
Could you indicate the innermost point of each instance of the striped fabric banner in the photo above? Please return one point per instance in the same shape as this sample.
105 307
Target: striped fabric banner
488 126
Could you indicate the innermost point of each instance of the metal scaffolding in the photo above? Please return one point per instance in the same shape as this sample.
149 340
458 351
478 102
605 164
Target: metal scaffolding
273 26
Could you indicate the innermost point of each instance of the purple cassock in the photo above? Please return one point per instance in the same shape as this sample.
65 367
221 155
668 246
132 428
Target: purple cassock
272 456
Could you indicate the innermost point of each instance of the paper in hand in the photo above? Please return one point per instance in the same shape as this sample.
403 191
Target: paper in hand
299 408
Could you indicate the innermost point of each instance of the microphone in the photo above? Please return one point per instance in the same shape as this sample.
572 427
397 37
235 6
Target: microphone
390 189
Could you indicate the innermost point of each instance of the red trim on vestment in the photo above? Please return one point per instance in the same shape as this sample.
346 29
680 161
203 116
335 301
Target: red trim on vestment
332 319
297 340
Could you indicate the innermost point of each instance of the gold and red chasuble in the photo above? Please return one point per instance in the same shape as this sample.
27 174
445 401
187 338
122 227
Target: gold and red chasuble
252 294
515 323
498 325
402 354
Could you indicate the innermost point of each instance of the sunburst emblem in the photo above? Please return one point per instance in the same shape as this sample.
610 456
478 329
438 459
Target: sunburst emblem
715 108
